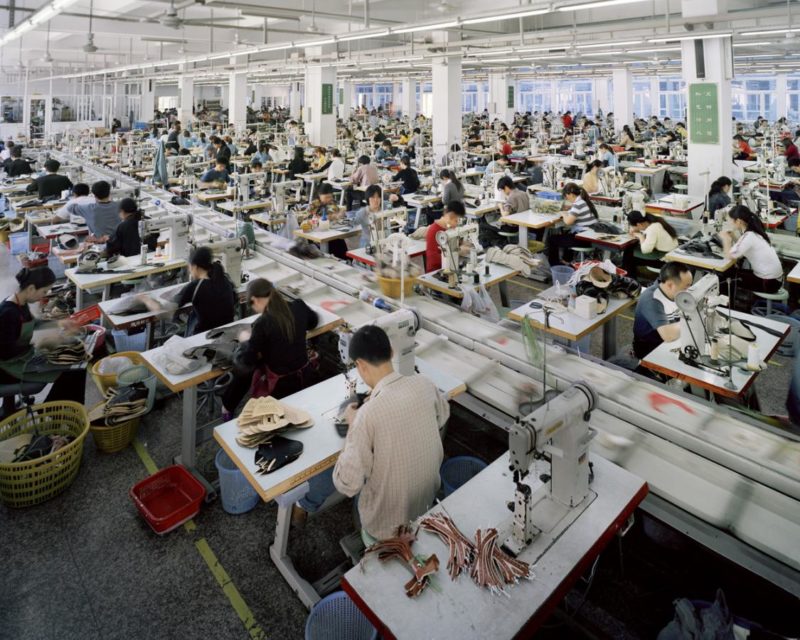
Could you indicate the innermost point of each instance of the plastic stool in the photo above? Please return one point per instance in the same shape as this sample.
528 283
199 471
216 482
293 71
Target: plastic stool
781 295
582 251
458 470
238 496
336 617
508 235
208 391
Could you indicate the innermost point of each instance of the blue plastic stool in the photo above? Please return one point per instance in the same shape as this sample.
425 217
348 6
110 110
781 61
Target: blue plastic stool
458 470
561 274
238 496
336 617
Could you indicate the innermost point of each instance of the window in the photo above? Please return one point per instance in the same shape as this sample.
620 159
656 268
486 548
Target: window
11 108
793 98
575 96
167 102
374 96
425 99
534 96
642 98
469 97
672 99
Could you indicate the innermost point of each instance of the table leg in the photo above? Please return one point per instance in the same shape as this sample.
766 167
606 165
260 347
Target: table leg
323 246
189 428
416 217
523 236
503 285
78 298
106 292
610 338
278 551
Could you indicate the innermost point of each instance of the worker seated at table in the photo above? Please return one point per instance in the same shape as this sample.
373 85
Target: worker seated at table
16 165
393 449
275 346
384 152
336 166
765 274
324 208
581 215
789 150
453 214
81 194
657 316
566 144
656 237
320 162
365 174
410 182
719 194
262 155
452 187
489 225
101 215
363 216
607 156
215 178
16 330
125 240
627 138
591 179
741 150
297 165
51 183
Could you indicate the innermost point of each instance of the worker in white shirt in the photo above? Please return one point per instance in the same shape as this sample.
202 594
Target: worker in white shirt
336 167
5 154
765 274
393 448
656 238
80 195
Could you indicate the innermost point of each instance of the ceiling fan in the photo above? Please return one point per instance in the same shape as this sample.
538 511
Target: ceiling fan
90 46
47 59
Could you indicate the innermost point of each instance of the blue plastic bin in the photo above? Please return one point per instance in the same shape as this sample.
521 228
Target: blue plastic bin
336 617
561 274
238 496
549 195
458 470
18 242
124 341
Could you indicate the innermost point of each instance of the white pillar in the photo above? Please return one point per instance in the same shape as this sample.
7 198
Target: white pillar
259 93
237 99
781 106
655 100
709 129
185 100
601 97
483 96
502 98
446 74
408 104
622 85
319 113
295 101
148 101
345 98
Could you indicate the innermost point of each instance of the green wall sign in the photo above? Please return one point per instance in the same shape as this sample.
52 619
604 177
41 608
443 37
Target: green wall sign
510 100
703 113
341 95
327 99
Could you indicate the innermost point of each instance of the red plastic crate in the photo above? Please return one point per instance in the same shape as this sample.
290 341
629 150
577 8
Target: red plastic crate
86 316
168 498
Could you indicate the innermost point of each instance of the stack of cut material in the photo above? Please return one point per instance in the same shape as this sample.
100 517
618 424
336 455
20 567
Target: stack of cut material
262 418
125 403
67 354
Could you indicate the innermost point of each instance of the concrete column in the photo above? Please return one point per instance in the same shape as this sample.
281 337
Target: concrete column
295 100
48 110
655 93
319 97
446 73
708 161
237 99
185 99
781 106
622 85
483 97
345 92
259 93
555 107
601 97
500 86
148 101
408 100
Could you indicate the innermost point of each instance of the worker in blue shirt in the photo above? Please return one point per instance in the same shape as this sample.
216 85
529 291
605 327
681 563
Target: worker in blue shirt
214 177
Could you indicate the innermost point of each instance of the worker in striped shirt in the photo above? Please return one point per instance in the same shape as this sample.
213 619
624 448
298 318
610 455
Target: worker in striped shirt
581 215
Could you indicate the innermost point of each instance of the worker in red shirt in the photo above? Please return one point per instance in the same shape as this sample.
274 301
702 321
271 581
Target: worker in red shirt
745 150
454 212
503 147
566 120
790 151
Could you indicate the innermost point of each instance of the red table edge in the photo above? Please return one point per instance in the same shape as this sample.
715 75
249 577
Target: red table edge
547 608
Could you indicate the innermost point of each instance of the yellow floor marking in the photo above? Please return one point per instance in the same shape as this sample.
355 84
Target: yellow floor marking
222 577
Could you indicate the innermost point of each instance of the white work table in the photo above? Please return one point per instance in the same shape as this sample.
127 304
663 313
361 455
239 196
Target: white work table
668 205
321 447
655 174
322 238
415 248
498 274
530 220
566 324
459 609
125 269
664 359
794 275
709 264
607 241
51 231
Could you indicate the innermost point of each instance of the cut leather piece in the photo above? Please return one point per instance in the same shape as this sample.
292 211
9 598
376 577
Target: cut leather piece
461 548
68 242
277 453
494 568
399 548
599 278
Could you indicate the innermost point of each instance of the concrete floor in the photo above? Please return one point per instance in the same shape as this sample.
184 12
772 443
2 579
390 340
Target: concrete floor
85 565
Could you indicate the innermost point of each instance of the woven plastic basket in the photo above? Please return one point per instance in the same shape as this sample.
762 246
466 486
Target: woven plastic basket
390 287
105 381
112 439
23 484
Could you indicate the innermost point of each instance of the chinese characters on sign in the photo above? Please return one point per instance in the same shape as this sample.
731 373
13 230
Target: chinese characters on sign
703 113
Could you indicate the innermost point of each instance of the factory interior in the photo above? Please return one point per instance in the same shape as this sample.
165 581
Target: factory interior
341 320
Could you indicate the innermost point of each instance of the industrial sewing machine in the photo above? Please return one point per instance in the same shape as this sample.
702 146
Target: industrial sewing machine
381 226
246 184
558 432
677 152
450 242
698 306
651 149
633 201
176 226
280 192
230 253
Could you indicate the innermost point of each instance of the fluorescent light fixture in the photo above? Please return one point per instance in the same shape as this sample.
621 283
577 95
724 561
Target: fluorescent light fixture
499 52
654 50
548 48
752 44
44 14
697 36
517 59
505 16
317 43
427 27
768 32
362 35
608 44
596 5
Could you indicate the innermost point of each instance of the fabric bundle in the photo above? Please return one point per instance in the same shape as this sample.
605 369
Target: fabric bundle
66 354
514 256
262 418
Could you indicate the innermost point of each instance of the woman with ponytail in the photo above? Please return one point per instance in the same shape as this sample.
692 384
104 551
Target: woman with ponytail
718 195
452 189
766 272
276 347
211 293
16 350
581 214
125 240
656 238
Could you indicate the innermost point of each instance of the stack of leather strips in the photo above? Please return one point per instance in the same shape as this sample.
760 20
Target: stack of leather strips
67 354
399 548
262 418
125 403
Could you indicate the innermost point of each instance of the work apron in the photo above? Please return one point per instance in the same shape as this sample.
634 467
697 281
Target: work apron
265 380
17 367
